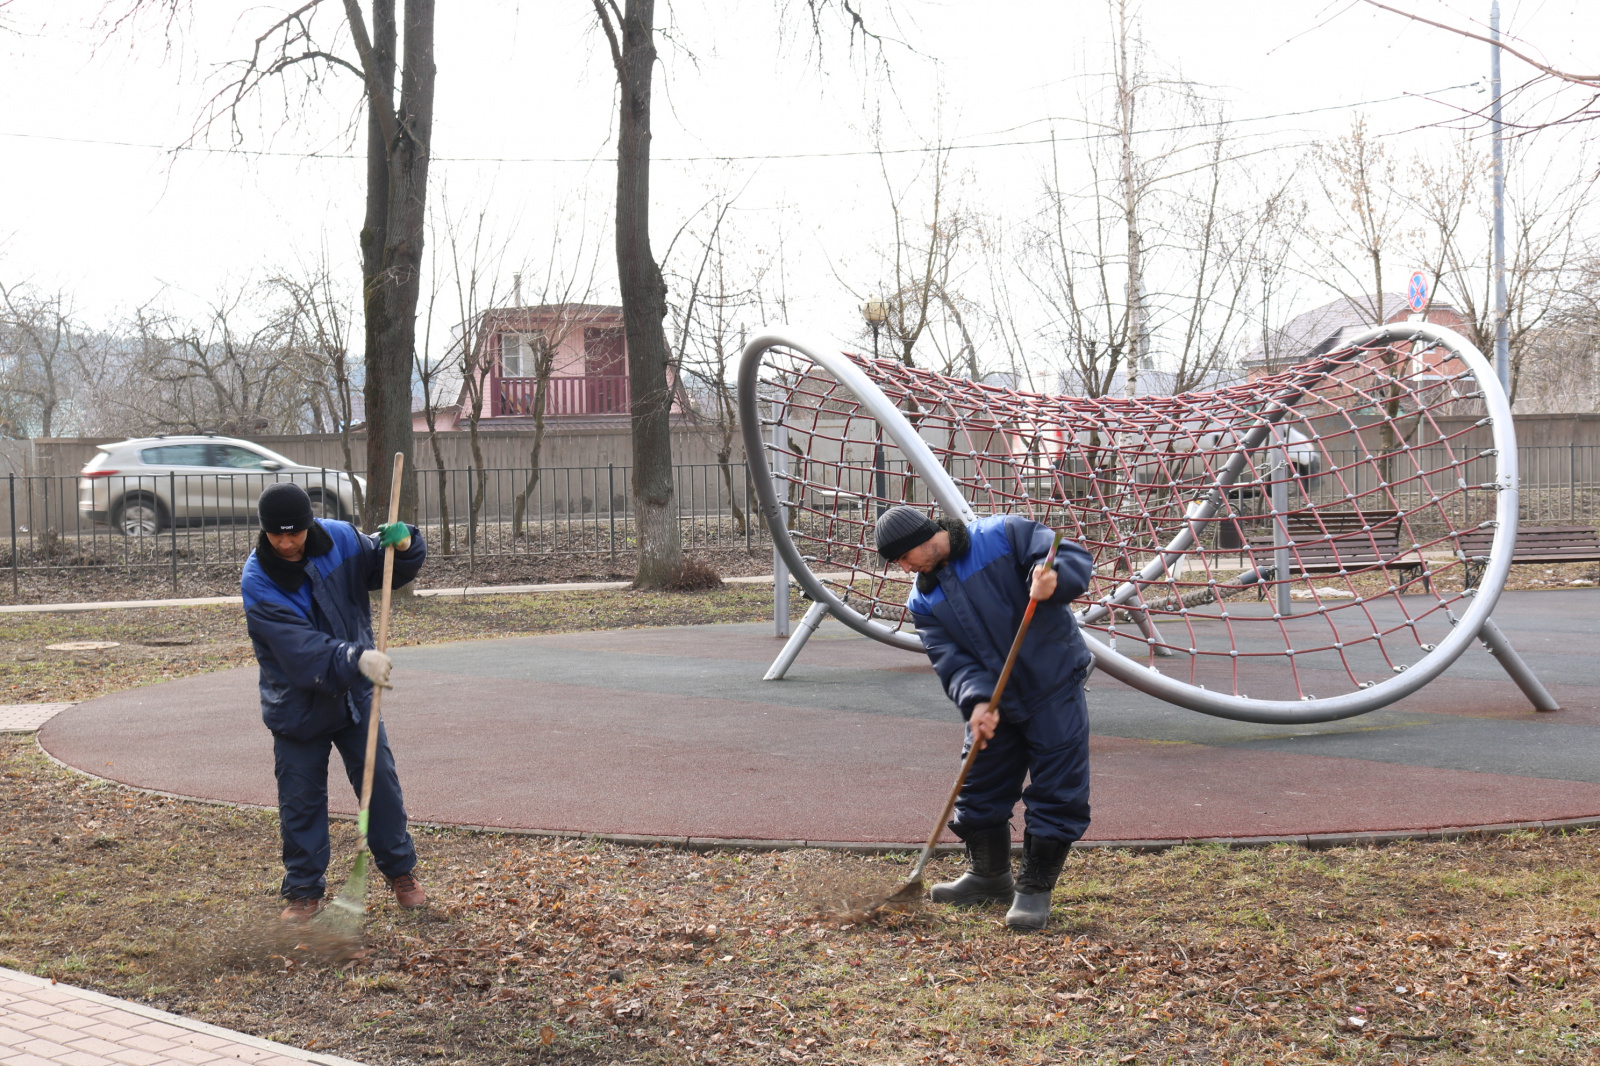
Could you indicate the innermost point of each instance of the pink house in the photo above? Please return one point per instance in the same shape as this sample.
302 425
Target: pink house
588 369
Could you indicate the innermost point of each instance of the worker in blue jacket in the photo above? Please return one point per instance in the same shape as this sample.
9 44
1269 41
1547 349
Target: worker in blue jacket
973 583
309 615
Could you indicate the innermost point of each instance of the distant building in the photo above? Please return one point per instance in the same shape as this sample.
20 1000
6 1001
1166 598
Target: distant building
1329 327
588 380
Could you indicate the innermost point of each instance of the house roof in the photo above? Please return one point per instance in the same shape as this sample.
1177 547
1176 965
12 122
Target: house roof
1324 329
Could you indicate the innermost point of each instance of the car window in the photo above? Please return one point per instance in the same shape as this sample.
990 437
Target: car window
234 456
175 455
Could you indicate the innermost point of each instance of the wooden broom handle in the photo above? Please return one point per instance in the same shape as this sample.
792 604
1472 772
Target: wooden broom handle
383 645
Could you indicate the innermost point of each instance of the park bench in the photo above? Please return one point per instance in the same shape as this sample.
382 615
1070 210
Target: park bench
1535 544
1333 542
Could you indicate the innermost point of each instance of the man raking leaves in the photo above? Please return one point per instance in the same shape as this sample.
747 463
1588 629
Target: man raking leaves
974 582
307 606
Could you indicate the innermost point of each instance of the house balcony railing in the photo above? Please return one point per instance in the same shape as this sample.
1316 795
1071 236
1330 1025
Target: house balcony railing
583 395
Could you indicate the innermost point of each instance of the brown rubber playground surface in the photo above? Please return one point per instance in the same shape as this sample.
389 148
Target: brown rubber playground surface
672 733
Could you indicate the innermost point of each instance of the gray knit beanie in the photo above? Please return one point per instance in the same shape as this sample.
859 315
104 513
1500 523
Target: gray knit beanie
899 529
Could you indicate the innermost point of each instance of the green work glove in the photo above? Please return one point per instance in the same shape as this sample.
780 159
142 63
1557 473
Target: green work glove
394 535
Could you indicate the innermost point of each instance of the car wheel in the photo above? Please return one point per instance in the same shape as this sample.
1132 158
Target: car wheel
325 506
139 516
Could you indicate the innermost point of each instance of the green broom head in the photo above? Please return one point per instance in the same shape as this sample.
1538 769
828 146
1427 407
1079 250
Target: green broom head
344 913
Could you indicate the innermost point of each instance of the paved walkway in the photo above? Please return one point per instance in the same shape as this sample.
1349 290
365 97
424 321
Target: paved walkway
48 1024
671 734
27 717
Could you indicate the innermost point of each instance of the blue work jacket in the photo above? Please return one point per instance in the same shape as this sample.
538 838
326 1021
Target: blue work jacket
968 622
309 641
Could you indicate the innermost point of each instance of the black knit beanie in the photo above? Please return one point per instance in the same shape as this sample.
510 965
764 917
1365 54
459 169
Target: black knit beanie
899 529
284 507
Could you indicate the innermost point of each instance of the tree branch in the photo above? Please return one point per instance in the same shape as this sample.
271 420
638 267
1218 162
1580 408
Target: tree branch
605 16
1576 79
383 108
285 62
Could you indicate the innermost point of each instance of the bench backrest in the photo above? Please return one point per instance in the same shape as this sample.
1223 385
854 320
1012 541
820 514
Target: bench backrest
1536 541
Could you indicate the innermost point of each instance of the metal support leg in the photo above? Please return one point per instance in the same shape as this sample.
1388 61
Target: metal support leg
780 570
1147 626
780 596
1507 656
791 650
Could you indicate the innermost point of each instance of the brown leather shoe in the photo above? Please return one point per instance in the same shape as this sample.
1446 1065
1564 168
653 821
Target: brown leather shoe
300 909
407 892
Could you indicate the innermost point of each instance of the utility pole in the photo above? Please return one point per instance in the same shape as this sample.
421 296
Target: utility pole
1502 325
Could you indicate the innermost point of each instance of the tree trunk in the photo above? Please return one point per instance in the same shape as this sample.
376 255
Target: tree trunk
644 307
391 239
541 388
1133 347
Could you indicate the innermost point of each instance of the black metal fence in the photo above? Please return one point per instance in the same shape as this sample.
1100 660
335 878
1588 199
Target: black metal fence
183 521
191 521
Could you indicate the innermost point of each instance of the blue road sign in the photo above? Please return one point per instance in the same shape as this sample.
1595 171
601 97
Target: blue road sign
1417 291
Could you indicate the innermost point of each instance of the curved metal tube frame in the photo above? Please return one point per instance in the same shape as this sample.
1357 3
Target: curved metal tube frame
1135 674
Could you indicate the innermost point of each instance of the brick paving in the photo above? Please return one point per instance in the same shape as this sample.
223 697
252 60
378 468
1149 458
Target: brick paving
27 717
46 1024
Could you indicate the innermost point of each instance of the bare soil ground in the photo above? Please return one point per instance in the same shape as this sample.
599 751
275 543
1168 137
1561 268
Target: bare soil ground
1478 951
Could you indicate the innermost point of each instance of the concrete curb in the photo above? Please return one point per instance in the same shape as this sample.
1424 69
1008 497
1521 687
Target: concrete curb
1310 841
231 1036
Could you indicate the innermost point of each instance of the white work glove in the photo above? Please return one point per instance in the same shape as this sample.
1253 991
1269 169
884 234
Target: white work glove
375 666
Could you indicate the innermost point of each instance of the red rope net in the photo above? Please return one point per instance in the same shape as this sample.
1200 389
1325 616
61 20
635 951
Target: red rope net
1362 507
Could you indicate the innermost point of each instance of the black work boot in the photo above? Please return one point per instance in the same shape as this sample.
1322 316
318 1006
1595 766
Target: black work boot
989 857
1041 866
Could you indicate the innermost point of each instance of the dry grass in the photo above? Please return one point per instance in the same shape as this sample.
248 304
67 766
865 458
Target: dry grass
1482 951
161 644
535 951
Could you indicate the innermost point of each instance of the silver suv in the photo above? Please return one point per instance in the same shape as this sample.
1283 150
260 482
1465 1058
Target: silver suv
145 485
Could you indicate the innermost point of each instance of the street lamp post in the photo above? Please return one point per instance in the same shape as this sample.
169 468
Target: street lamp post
876 312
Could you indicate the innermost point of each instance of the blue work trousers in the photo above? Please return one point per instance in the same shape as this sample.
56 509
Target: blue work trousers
302 769
1050 750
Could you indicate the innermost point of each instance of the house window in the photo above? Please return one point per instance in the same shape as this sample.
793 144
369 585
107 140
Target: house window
516 356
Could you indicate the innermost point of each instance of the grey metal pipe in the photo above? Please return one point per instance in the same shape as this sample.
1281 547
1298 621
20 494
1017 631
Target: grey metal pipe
791 650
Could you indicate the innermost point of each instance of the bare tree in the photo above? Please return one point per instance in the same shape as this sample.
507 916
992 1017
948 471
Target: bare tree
630 33
718 303
436 382
230 373
1368 211
629 27
1585 110
1549 212
563 285
318 321
476 264
921 269
41 343
392 42
1131 183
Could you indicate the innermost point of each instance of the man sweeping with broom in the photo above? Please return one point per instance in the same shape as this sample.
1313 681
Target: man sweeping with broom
973 585
310 619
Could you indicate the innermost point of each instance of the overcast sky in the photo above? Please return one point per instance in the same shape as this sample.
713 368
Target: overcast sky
90 209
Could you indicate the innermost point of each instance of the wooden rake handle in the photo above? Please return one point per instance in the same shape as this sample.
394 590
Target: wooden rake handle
373 716
994 701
